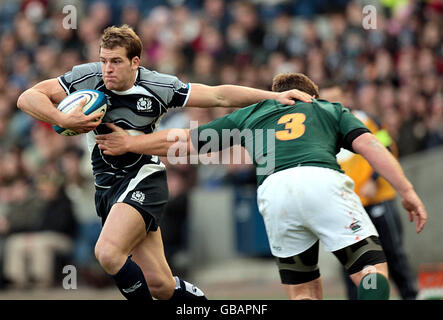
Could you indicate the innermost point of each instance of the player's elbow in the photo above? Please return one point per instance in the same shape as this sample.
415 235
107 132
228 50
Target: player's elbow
25 98
222 96
219 96
21 101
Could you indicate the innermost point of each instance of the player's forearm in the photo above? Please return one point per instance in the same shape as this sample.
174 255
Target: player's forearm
382 161
171 142
228 96
239 96
39 106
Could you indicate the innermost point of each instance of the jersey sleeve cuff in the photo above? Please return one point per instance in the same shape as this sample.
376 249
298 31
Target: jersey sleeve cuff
351 136
63 84
189 94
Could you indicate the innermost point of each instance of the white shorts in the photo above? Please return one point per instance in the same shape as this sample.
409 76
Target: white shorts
303 204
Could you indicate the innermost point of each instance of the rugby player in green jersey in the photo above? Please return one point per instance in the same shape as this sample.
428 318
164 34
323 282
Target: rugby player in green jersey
303 194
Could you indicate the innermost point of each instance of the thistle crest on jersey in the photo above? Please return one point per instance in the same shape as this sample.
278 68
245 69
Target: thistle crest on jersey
144 104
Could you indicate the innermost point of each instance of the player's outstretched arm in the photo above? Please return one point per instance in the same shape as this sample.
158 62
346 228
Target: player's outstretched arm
385 164
171 142
232 96
39 102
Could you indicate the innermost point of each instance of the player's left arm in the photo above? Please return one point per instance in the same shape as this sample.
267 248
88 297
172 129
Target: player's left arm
171 142
369 188
385 164
228 96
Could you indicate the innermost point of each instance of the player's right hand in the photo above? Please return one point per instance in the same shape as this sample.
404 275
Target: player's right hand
289 97
412 203
78 121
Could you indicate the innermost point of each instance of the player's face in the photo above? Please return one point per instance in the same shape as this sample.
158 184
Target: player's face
118 71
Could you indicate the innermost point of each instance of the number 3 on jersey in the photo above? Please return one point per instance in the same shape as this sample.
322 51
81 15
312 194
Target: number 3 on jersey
294 127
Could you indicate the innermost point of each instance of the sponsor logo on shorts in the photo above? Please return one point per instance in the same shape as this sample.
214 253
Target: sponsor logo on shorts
138 196
193 289
354 226
137 285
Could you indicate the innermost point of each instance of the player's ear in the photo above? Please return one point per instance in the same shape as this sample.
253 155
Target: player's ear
135 63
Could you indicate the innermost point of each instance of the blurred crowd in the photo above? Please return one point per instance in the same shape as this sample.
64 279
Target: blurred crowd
393 72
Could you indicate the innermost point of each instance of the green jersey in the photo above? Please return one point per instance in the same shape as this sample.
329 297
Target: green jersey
279 137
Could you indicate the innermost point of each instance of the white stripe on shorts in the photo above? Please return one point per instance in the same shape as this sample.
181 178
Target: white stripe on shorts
144 172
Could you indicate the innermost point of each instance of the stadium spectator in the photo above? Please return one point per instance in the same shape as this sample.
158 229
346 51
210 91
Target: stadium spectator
39 228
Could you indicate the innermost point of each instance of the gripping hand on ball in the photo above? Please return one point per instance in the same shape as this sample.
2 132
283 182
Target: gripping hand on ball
78 121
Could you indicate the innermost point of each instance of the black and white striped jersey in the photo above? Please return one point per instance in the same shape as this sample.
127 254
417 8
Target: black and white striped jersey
137 110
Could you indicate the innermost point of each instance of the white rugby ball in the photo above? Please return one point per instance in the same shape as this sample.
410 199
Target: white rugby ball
95 103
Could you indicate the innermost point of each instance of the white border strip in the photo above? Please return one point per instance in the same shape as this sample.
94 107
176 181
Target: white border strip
189 94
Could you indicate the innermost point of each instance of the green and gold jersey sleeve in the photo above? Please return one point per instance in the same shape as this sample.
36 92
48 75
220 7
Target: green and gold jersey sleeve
350 127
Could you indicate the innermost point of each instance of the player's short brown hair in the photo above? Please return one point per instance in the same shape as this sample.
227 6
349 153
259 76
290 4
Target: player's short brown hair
287 81
123 36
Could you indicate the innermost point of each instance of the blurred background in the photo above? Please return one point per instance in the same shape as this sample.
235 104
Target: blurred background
213 233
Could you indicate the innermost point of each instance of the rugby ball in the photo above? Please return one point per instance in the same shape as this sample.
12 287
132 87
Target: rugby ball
95 103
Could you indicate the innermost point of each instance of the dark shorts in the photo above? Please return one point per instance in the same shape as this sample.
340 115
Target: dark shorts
148 194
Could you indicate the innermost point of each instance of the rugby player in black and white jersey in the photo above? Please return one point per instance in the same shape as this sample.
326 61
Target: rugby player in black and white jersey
131 189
